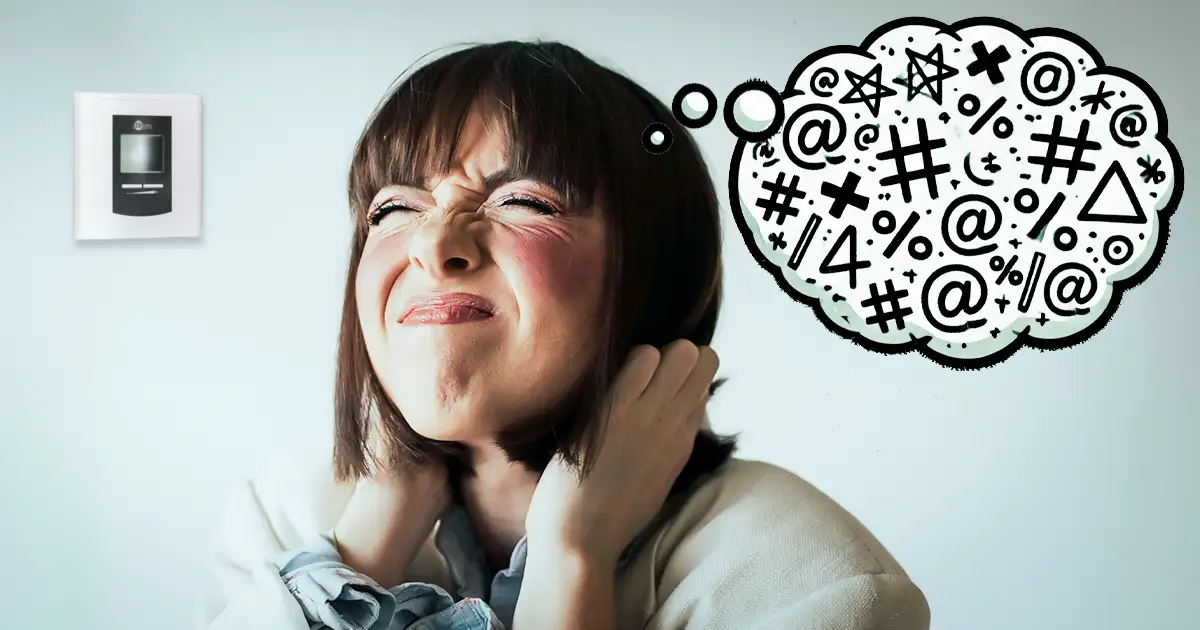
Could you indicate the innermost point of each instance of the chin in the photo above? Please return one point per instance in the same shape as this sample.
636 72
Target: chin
447 426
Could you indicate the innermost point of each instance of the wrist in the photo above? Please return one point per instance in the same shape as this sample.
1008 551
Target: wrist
571 560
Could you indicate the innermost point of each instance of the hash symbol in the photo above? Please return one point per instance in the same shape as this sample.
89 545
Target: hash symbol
929 170
780 207
1053 140
890 299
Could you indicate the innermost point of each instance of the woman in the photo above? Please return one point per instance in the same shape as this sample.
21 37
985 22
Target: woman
523 369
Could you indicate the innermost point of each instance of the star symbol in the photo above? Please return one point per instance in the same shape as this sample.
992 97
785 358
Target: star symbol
917 68
874 79
1002 301
777 241
1096 100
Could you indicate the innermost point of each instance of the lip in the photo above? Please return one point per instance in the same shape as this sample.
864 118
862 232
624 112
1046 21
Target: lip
445 308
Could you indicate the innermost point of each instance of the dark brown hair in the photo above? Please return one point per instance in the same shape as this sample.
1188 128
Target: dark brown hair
577 126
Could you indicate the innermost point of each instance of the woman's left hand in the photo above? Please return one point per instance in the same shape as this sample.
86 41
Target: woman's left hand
655 410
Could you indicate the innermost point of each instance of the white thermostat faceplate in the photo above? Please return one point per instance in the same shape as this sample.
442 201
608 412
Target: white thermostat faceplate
138 166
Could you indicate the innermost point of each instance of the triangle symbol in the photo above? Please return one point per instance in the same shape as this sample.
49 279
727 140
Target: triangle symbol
1106 206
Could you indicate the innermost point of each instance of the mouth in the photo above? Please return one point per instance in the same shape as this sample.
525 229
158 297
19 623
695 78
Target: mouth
445 308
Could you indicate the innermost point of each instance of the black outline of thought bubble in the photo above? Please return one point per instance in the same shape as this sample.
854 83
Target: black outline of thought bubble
1023 339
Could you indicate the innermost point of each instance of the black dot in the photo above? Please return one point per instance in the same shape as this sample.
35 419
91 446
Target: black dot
1020 106
1095 260
940 254
856 160
857 115
1018 158
904 120
1038 117
1014 225
870 242
1102 270
1012 150
1088 250
1024 52
929 211
1122 93
1072 108
1006 200
811 202
891 52
1141 237
910 39
955 50
754 175
1091 234
964 345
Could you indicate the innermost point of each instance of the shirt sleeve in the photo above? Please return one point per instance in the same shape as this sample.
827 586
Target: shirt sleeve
333 595
253 582
781 560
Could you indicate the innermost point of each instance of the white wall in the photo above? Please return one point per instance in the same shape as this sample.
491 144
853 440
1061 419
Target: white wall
139 379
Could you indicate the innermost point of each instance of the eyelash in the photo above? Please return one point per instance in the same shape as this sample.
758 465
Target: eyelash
541 207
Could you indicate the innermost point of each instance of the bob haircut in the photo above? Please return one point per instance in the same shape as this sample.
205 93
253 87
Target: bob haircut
577 126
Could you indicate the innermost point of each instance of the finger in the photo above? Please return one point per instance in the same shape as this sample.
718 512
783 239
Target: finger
634 376
678 359
695 387
698 418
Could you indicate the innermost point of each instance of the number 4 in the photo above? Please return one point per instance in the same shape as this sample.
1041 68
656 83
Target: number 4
853 265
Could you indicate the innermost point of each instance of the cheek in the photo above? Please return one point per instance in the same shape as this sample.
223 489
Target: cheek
566 271
377 270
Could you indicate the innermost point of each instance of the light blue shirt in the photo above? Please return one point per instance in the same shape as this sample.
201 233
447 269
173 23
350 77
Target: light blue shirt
334 596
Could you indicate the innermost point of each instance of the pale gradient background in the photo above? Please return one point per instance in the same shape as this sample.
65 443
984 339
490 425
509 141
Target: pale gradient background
138 380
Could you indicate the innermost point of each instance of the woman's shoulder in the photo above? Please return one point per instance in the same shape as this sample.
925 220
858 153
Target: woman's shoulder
756 546
770 505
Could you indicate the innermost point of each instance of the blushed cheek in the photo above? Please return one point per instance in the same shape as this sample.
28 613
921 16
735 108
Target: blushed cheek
377 271
561 270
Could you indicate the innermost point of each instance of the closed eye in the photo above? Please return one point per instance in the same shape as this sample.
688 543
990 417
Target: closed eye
381 211
536 205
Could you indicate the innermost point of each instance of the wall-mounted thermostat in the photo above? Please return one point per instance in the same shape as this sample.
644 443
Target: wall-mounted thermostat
138 166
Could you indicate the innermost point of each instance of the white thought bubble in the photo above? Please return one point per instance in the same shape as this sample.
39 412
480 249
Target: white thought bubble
961 190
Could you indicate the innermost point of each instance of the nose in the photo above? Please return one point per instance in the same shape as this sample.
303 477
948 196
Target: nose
445 245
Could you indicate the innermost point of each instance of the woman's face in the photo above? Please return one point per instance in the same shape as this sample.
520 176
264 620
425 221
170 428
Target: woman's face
479 294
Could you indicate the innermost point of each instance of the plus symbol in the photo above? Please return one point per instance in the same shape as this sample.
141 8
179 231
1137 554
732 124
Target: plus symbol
844 195
988 61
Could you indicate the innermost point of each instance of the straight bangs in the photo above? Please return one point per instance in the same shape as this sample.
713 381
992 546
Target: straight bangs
555 129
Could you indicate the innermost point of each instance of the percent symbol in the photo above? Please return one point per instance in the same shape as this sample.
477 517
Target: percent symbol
1013 276
884 223
969 105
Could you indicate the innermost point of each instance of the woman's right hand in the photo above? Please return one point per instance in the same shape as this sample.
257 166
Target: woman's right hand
389 518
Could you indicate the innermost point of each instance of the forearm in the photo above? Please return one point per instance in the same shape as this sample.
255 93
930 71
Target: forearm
562 590
381 532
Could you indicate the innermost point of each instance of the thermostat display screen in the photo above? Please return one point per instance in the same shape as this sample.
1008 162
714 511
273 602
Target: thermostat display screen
141 153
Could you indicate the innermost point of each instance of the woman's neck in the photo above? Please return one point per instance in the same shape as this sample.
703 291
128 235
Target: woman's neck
497 497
